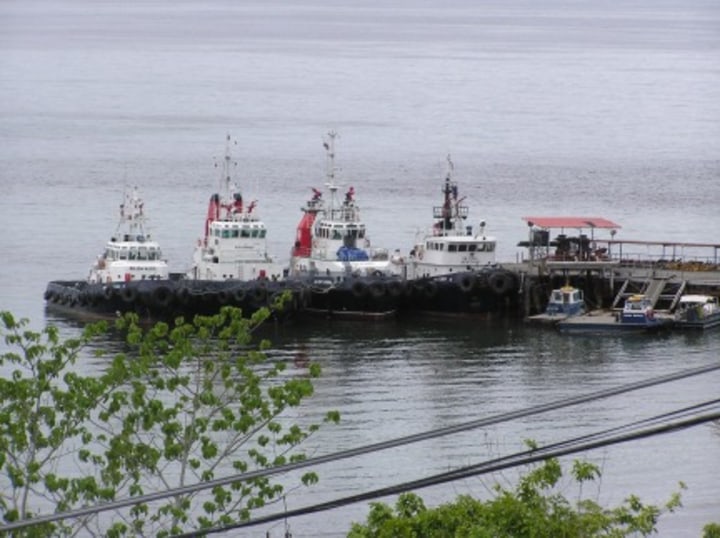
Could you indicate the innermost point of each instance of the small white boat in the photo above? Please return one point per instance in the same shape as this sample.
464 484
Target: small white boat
332 239
451 246
697 312
234 245
563 303
130 254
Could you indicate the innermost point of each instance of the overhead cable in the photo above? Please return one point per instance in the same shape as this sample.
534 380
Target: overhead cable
521 458
353 452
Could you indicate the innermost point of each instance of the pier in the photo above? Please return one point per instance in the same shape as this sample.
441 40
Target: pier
609 270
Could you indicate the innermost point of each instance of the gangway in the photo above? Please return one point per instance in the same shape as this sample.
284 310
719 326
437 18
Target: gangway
662 294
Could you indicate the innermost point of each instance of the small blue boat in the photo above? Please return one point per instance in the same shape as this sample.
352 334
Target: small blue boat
637 315
563 303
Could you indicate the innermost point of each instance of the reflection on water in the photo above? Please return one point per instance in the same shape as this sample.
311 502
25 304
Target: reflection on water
407 376
402 378
634 124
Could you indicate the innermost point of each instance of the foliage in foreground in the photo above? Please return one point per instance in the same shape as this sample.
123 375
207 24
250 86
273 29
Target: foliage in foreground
183 404
532 509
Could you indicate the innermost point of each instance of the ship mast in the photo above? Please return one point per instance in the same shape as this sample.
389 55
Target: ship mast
225 176
330 169
131 214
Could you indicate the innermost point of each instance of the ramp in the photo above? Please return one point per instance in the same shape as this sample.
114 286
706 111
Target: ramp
654 288
663 294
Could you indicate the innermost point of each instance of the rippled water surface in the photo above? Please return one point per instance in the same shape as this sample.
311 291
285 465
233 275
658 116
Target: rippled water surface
609 109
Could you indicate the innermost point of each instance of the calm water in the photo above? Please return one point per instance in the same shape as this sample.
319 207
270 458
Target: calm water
610 109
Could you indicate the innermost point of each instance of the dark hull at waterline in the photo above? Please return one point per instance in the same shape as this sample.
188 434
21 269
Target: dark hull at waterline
168 299
487 292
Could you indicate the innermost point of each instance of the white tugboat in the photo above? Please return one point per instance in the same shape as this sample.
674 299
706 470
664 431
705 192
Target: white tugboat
451 268
234 245
131 276
451 246
331 237
131 254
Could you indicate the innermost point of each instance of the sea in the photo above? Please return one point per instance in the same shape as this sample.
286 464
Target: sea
553 108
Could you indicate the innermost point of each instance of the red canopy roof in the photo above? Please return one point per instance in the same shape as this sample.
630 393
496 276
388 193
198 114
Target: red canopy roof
571 222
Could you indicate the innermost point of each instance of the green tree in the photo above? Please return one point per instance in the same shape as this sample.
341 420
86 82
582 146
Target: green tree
182 404
533 509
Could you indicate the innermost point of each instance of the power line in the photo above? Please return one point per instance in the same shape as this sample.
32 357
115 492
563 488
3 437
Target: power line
384 445
522 458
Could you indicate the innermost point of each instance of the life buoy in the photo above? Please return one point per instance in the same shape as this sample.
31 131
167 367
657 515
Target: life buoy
466 283
128 295
418 287
358 289
223 297
500 283
258 295
162 296
395 288
238 295
183 296
377 289
430 289
91 298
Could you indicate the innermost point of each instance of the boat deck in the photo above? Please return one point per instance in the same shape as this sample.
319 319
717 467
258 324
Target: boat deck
547 319
604 320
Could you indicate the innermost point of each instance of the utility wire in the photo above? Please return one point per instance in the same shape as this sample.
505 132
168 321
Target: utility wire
384 445
521 458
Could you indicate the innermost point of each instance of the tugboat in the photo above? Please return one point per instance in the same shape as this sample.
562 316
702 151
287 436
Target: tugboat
129 275
451 246
332 252
131 254
451 269
331 239
234 245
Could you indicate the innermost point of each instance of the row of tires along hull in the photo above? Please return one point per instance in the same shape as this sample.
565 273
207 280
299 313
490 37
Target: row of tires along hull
467 292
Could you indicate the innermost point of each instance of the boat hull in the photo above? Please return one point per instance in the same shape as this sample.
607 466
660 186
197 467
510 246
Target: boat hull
355 297
593 322
709 322
487 292
168 299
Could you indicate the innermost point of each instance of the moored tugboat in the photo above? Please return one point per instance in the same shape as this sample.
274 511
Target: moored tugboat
332 253
452 268
234 244
130 275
